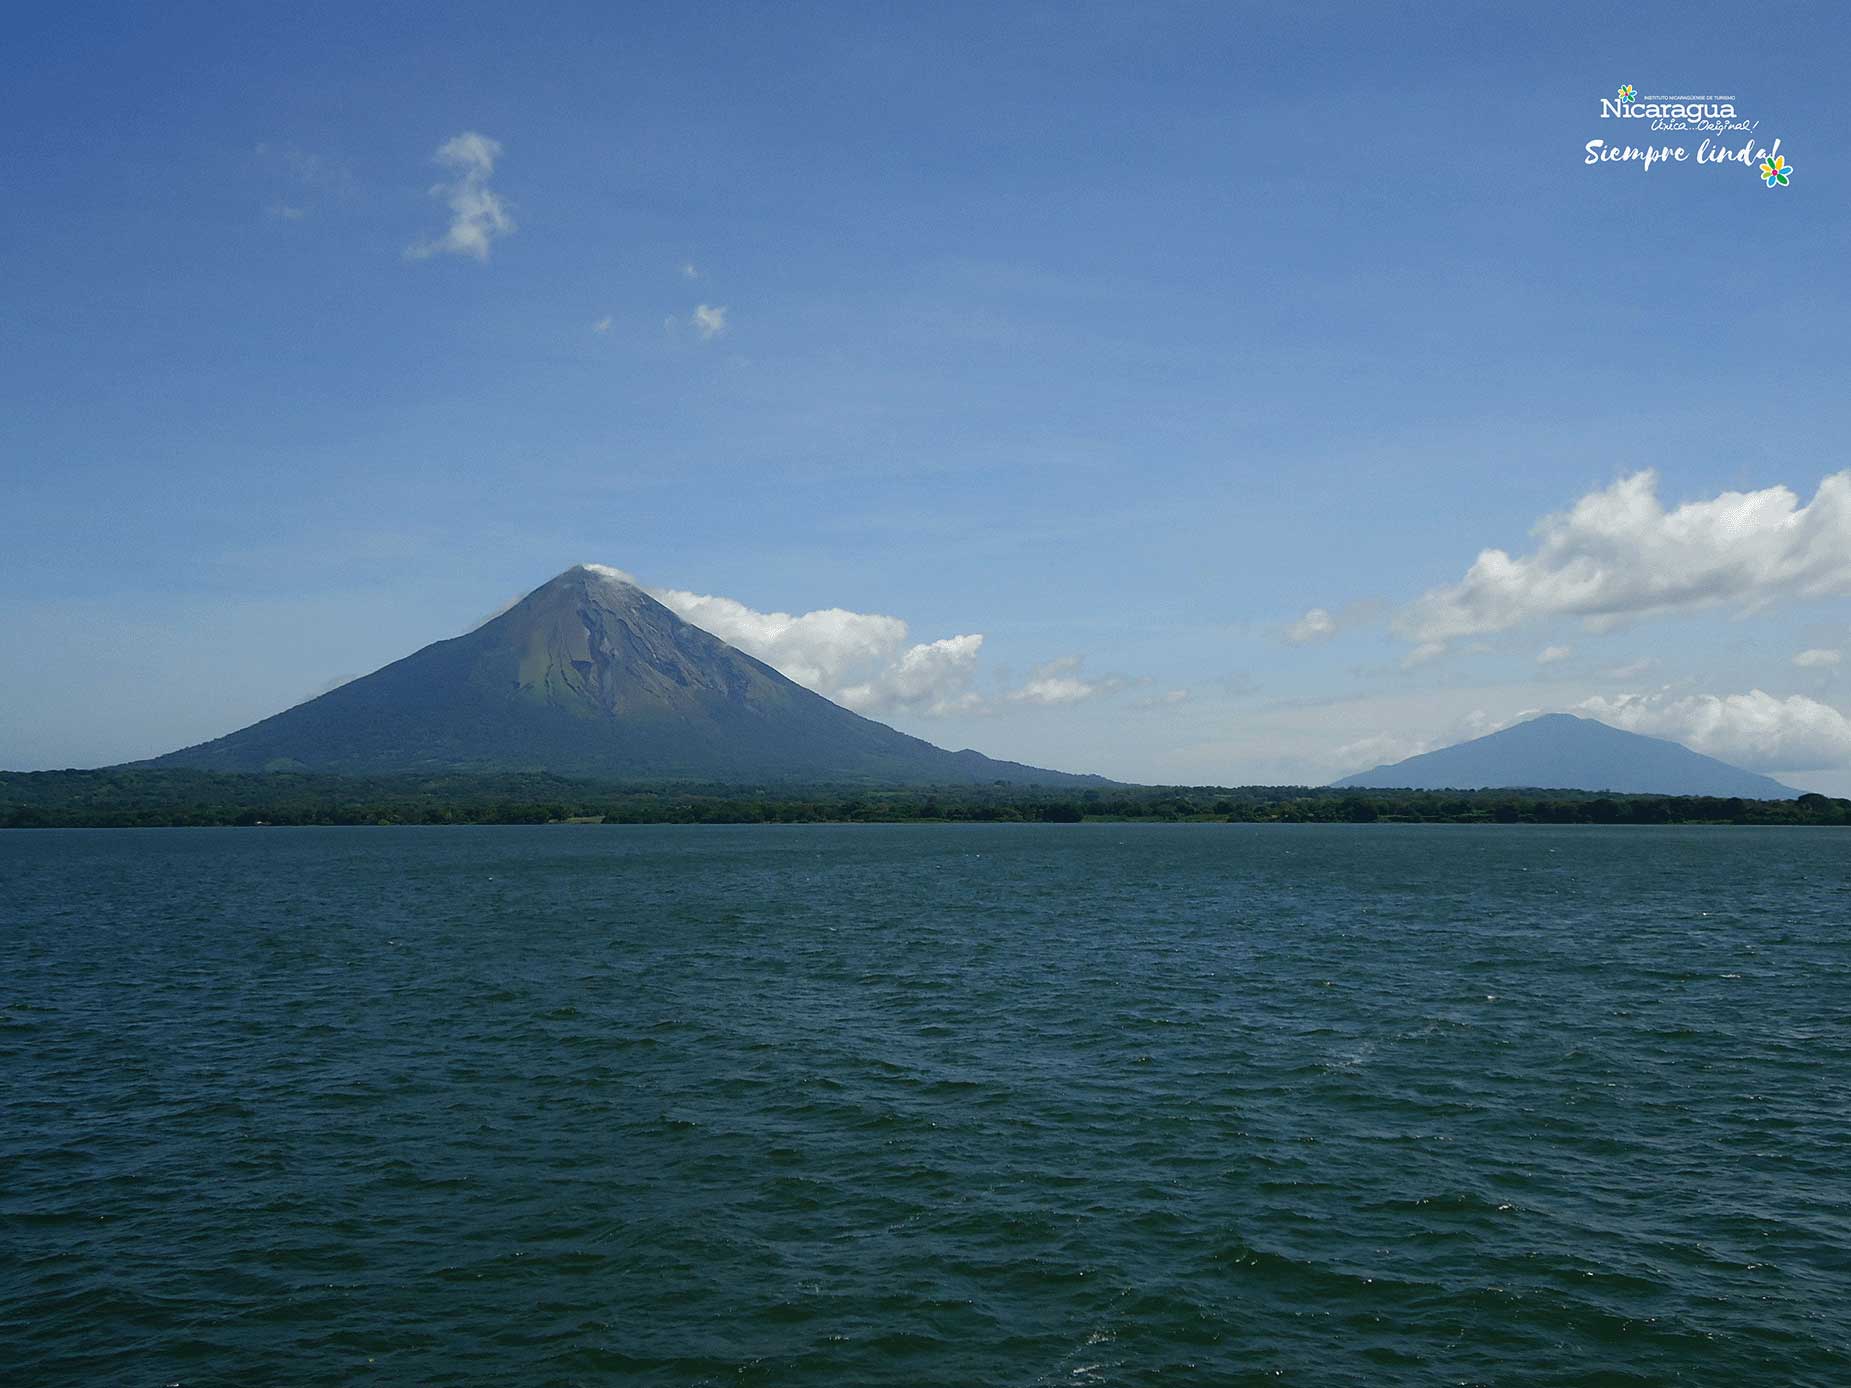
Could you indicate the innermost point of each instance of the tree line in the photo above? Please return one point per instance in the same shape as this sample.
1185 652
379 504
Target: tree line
136 798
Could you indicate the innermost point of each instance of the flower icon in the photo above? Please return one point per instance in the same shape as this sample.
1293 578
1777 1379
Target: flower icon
1628 92
1774 171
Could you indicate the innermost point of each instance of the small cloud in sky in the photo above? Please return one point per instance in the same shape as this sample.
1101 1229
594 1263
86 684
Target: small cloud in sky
1061 682
708 320
310 169
1170 698
1554 655
1421 654
688 271
478 214
1817 659
603 325
302 180
1632 669
1056 682
1315 626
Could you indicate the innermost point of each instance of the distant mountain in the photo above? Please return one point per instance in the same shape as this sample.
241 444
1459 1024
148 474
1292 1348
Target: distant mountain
1562 752
589 676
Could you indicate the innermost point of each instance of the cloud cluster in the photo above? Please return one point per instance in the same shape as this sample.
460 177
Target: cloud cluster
933 677
868 662
861 660
817 649
1618 554
1817 659
1755 729
478 215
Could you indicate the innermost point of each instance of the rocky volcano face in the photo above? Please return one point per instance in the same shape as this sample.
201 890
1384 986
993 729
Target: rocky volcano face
592 644
590 676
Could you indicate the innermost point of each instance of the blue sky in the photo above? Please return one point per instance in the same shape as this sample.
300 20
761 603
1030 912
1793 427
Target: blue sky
1121 336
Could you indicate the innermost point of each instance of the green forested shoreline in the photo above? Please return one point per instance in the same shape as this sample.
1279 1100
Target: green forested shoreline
135 798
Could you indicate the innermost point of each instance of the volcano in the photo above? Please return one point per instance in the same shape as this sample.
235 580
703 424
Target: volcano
589 676
1559 751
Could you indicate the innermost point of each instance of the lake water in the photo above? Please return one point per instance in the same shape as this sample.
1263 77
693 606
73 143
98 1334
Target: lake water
1013 1105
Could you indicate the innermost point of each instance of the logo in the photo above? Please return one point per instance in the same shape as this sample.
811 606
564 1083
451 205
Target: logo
1674 112
1690 128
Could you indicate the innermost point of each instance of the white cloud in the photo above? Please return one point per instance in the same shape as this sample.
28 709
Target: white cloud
478 215
933 678
709 321
861 660
1632 669
1060 682
1755 729
603 325
1421 654
1377 749
1478 723
1554 655
688 271
1817 659
1380 749
1170 698
1316 625
1618 554
867 661
817 649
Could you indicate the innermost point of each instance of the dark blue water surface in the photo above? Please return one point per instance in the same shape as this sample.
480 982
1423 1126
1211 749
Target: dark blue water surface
1189 1104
